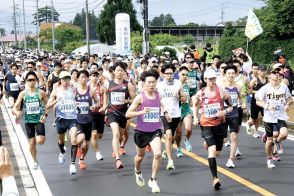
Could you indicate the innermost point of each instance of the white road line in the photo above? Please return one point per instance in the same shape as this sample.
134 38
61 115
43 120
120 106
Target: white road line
38 176
261 129
25 175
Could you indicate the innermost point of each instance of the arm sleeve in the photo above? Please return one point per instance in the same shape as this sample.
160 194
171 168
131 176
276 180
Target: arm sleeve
9 187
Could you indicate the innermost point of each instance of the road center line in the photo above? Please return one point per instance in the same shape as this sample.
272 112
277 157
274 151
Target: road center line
225 172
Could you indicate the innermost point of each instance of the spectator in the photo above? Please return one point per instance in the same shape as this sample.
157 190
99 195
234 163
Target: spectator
7 174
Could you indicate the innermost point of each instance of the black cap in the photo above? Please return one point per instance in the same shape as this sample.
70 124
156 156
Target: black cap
262 67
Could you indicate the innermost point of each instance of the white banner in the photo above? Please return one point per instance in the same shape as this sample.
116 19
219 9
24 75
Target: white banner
253 27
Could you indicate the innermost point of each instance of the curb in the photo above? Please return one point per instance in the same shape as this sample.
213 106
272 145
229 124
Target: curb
34 181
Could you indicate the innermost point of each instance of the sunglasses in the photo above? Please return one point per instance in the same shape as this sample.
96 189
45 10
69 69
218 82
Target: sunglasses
169 73
275 72
31 80
30 67
184 74
188 57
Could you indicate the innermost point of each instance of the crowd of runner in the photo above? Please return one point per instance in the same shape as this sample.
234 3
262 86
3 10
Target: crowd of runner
166 95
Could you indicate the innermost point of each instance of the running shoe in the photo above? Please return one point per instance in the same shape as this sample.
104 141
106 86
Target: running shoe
148 148
230 164
179 152
61 158
164 155
119 164
35 165
276 157
227 144
170 165
83 164
54 124
256 135
270 164
139 179
279 147
248 129
216 184
188 145
72 169
99 157
153 185
264 137
122 151
79 152
238 154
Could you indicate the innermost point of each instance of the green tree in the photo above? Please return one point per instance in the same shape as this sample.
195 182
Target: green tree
277 18
66 35
2 31
80 21
190 24
106 20
163 21
45 15
136 42
229 30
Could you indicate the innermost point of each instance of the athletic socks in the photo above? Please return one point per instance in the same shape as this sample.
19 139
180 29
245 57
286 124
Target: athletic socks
74 149
61 147
213 166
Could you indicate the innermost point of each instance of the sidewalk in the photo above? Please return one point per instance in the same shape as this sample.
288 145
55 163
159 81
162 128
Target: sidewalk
7 143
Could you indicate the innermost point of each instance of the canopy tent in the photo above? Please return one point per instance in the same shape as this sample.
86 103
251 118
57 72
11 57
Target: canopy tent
99 49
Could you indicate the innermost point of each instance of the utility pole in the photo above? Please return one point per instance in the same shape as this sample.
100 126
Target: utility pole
53 26
24 24
145 44
14 21
38 26
19 29
87 28
222 13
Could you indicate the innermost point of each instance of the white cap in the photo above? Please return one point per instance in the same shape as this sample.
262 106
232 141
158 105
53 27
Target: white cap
66 61
38 64
209 73
119 58
276 66
17 59
153 59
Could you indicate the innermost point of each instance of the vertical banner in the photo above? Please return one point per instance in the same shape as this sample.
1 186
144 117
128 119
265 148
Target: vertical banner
253 27
123 34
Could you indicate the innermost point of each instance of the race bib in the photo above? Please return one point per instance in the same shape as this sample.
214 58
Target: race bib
14 86
193 82
234 98
67 106
152 116
84 107
211 110
117 98
167 93
33 108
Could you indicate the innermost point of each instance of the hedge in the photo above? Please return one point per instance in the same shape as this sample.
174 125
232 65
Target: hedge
260 49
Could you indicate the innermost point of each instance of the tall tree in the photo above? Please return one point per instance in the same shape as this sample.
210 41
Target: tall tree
163 21
277 18
80 20
106 20
45 15
2 31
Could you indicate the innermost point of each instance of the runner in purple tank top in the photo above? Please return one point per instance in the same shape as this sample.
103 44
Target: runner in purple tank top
147 107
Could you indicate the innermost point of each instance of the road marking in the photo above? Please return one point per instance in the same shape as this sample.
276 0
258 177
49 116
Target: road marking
38 176
261 129
225 172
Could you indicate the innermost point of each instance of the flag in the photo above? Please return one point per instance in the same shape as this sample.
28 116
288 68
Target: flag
253 27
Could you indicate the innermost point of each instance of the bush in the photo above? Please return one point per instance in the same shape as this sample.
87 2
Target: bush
173 52
260 49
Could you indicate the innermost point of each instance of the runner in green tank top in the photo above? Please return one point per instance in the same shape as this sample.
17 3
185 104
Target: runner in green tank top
34 114
186 114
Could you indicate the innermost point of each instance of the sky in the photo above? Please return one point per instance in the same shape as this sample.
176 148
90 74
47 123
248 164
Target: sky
183 11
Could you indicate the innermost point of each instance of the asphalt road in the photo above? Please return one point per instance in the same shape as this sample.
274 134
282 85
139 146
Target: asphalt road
191 176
